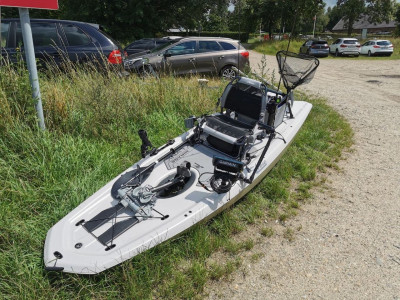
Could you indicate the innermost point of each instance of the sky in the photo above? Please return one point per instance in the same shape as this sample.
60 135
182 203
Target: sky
330 2
333 2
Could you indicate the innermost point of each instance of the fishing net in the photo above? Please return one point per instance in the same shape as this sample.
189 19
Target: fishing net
296 68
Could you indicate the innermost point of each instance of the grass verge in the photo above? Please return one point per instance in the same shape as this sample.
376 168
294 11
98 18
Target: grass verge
92 123
271 47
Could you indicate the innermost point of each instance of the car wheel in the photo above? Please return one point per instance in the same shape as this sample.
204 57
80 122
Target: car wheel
369 53
337 53
228 73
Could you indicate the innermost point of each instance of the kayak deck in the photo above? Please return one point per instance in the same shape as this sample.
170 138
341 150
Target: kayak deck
115 234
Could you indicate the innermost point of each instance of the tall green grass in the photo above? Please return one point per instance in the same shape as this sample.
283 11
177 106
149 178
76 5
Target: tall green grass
273 46
92 122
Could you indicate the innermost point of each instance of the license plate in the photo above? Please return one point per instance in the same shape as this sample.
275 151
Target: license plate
385 48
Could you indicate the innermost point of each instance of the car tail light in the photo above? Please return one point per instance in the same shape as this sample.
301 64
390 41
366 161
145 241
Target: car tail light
244 54
376 46
125 54
358 46
326 47
313 46
343 46
115 57
391 46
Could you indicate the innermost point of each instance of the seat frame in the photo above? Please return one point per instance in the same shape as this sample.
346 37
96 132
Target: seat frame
240 114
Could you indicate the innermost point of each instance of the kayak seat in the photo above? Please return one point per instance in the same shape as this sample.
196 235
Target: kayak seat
243 104
227 128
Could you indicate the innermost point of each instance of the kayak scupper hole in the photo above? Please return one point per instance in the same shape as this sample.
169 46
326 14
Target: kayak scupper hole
110 247
78 245
58 255
190 211
185 215
80 222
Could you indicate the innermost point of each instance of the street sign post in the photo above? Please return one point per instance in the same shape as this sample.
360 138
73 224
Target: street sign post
31 63
23 6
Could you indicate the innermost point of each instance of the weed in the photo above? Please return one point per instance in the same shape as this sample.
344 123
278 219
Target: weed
289 234
257 256
283 217
267 232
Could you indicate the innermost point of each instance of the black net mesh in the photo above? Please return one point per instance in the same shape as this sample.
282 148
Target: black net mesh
296 68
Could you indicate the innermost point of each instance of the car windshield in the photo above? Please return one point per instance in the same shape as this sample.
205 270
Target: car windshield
350 42
162 46
383 43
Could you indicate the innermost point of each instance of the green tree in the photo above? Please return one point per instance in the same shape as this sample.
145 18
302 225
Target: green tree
274 15
334 16
322 21
397 18
351 11
245 16
216 19
379 11
129 19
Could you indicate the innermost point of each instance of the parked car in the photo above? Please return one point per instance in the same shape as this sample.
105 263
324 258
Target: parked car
143 46
193 55
315 48
345 46
377 47
59 40
172 37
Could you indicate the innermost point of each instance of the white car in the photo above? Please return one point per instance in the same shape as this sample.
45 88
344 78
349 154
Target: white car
345 46
377 47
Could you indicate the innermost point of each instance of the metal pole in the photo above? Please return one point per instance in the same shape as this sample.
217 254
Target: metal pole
0 30
31 63
315 19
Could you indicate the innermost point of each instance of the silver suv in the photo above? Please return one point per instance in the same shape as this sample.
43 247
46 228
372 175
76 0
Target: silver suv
345 46
193 55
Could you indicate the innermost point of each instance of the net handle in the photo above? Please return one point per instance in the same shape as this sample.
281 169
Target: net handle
290 38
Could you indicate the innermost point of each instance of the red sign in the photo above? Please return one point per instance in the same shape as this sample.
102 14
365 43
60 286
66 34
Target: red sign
44 4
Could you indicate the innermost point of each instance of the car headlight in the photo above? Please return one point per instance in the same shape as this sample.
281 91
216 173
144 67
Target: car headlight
132 61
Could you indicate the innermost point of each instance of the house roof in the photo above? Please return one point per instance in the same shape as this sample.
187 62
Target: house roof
363 23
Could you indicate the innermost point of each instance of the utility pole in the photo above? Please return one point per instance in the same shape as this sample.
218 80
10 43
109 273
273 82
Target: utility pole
315 20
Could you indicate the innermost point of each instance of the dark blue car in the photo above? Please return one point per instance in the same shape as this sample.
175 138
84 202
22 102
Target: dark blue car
315 48
58 41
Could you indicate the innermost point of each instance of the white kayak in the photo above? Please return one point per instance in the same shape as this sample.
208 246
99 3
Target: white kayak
188 180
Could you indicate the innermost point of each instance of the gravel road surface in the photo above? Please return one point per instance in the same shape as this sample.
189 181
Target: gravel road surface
348 241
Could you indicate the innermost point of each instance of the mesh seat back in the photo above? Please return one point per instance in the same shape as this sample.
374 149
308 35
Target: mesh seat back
245 97
296 68
244 103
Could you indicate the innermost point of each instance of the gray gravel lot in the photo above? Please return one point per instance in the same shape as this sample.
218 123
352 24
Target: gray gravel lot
348 243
